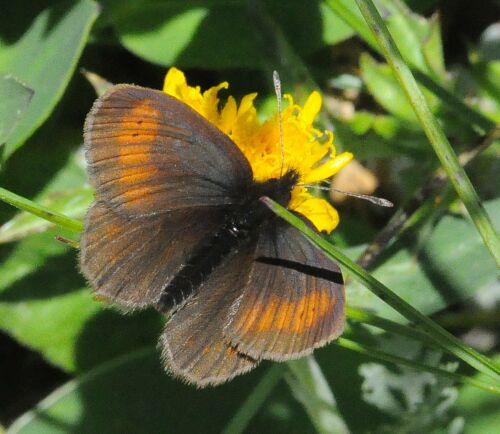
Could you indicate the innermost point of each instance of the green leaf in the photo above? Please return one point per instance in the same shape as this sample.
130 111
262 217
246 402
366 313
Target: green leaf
335 30
487 76
374 136
432 48
408 29
384 87
15 99
418 401
43 58
216 34
134 394
45 305
417 38
440 273
27 322
41 301
20 260
147 32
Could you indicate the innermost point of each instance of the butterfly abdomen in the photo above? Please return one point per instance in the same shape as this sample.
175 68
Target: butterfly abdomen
205 258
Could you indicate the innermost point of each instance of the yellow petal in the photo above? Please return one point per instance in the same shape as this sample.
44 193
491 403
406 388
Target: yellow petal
320 213
246 103
174 80
328 169
246 120
306 149
228 115
311 108
210 104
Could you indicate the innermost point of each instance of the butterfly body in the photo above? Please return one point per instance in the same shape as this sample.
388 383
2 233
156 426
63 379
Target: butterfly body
178 225
241 223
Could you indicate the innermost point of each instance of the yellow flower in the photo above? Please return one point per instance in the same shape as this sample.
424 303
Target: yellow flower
307 150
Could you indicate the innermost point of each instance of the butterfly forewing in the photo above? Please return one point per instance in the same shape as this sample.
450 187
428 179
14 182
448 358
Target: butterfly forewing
293 301
163 177
149 153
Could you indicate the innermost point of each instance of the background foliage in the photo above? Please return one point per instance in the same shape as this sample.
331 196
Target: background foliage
100 370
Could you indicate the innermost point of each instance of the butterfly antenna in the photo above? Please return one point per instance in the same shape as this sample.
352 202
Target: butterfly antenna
277 89
373 199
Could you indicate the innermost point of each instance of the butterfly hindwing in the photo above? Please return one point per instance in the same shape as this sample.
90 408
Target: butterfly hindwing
194 347
148 153
293 300
129 260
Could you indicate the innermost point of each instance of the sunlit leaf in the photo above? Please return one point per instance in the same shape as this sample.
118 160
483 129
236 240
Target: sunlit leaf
15 99
43 57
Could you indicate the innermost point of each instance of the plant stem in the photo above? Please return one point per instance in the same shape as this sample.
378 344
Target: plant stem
422 203
364 317
462 110
255 400
381 355
310 387
40 211
432 129
444 339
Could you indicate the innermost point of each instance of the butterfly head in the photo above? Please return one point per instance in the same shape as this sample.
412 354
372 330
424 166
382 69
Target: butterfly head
278 189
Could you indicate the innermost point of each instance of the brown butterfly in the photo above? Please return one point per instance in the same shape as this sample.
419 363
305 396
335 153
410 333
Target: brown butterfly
178 225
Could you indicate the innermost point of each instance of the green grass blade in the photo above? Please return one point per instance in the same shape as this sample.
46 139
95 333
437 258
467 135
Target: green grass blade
311 389
441 337
466 113
255 400
387 325
386 357
432 129
40 211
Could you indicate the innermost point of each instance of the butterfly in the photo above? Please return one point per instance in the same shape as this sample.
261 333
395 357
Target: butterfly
177 225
